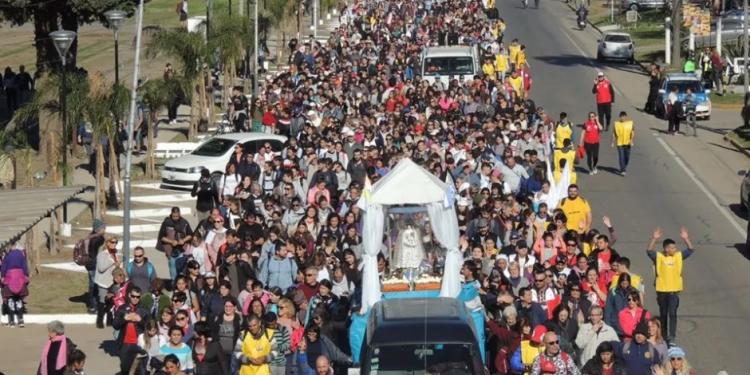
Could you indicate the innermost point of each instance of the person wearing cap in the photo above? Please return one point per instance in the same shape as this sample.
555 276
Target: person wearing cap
605 362
639 355
668 266
605 96
676 364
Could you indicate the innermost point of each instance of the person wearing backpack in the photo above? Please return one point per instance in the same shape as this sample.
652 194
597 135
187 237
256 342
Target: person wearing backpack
279 270
639 354
84 254
14 279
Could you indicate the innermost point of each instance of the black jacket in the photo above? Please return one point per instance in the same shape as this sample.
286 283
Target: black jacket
208 196
119 323
214 361
594 367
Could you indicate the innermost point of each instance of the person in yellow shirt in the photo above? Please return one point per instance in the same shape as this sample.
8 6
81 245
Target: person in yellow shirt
516 81
501 65
563 130
513 49
521 57
668 266
576 210
623 136
557 173
565 152
256 349
489 69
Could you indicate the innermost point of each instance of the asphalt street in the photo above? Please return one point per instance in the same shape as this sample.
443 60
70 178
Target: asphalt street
661 188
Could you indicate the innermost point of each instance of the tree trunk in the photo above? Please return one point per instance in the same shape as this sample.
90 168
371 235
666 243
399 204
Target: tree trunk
53 157
194 106
676 35
114 174
69 21
100 202
150 159
45 21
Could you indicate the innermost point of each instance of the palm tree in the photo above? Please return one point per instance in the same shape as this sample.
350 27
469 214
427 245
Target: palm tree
11 141
155 95
99 114
192 52
229 41
46 101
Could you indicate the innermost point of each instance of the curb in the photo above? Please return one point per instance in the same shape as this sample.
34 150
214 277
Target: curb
736 145
64 318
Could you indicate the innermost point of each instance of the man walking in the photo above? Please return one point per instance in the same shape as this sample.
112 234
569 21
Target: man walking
605 96
623 136
129 321
668 265
141 272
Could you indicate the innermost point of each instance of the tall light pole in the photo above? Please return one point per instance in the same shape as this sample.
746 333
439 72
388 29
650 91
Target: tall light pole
255 50
129 151
744 44
115 19
63 39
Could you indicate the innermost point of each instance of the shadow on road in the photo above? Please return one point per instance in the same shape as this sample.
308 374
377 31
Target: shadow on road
566 60
612 170
737 209
743 250
83 298
110 347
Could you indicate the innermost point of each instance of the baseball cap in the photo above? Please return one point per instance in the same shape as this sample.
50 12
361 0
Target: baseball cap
600 74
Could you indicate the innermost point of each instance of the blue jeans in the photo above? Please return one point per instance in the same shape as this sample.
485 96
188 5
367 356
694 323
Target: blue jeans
93 290
668 304
623 154
171 261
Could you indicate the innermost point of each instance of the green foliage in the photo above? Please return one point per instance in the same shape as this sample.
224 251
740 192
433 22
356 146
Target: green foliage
229 36
156 94
189 48
75 98
12 139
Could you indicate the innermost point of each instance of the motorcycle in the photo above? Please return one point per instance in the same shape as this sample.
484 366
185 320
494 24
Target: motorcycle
581 14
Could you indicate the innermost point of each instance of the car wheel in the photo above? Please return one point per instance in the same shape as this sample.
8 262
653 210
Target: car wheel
660 111
599 57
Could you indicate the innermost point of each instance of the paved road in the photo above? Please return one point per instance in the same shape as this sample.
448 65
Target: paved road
657 190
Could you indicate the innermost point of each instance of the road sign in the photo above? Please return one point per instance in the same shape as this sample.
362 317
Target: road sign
631 16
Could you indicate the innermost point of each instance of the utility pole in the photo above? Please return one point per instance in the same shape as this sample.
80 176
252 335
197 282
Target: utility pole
255 50
129 151
315 19
676 42
744 44
719 27
667 40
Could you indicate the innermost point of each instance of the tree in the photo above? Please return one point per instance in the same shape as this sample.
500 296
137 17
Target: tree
155 95
51 15
192 52
98 113
228 39
46 99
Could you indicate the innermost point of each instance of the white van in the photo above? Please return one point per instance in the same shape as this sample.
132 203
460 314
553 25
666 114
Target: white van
448 63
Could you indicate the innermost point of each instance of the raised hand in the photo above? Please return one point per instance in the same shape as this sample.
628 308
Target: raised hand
657 233
607 221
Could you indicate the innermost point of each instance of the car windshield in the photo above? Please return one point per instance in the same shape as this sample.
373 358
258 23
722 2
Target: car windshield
682 86
421 359
617 39
214 147
447 66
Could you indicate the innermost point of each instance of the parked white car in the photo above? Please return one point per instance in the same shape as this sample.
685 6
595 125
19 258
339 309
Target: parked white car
214 154
616 45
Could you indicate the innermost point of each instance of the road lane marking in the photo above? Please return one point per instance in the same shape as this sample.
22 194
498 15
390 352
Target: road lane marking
711 197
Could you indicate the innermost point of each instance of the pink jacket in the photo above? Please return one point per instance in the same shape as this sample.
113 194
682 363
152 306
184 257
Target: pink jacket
628 321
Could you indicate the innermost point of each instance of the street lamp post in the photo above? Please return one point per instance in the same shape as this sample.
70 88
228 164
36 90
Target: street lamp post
63 39
115 19
255 50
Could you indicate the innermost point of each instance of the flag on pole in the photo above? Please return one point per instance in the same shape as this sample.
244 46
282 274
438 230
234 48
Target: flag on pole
364 200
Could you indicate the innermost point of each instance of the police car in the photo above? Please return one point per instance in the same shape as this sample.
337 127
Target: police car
683 81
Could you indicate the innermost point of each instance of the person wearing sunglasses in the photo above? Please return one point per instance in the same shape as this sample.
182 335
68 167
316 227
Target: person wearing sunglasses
632 314
553 360
677 363
130 321
108 259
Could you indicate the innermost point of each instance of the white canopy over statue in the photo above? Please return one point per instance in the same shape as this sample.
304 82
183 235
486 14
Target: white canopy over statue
409 184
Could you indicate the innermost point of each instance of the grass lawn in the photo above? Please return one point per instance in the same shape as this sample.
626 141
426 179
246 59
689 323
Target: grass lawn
727 101
54 291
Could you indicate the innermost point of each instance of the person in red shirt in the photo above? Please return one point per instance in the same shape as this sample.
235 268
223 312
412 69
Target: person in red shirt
590 141
269 120
130 321
605 96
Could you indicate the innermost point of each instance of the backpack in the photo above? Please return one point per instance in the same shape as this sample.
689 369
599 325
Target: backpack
81 255
679 109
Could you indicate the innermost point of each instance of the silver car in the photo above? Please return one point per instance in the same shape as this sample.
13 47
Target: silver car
616 45
642 4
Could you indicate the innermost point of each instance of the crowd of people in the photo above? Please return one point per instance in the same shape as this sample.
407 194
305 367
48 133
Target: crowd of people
266 281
